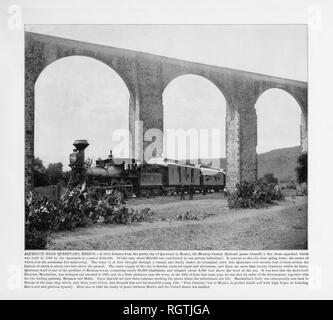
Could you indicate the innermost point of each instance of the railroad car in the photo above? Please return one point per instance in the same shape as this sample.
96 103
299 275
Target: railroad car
212 179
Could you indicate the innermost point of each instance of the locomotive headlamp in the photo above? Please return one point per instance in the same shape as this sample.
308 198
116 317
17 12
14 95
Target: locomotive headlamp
72 158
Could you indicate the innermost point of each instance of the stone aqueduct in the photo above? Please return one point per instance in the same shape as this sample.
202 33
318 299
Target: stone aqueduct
146 76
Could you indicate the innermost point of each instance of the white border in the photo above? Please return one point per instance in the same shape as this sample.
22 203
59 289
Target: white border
318 15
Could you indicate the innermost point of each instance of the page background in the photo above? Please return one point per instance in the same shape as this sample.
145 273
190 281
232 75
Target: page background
318 15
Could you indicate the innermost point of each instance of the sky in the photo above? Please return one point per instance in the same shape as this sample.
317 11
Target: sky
79 97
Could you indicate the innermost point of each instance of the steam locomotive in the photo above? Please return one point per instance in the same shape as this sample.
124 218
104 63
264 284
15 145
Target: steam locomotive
158 176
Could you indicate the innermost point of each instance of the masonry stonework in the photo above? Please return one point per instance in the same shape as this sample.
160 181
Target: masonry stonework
146 76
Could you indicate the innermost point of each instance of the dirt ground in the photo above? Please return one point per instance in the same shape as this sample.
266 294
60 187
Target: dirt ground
280 226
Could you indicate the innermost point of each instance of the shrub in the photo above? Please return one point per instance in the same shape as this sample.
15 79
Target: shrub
302 189
40 216
253 195
288 185
40 179
268 178
277 193
40 212
78 207
302 168
186 216
144 215
35 240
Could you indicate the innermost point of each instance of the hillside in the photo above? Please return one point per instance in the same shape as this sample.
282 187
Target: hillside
280 162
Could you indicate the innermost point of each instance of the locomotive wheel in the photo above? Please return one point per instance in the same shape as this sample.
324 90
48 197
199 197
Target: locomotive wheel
114 183
127 191
163 191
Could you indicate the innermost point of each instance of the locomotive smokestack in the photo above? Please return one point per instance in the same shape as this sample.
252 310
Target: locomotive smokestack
80 145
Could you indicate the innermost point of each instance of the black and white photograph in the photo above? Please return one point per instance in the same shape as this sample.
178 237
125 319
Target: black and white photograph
166 154
166 137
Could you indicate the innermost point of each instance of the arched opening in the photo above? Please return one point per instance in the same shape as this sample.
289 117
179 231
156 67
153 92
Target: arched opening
78 97
194 121
278 134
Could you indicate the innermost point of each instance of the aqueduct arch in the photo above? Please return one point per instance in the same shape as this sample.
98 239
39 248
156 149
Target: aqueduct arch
201 95
84 89
300 96
146 76
284 126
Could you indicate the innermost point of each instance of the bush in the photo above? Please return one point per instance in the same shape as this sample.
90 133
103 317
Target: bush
35 240
302 168
40 212
268 178
288 185
40 179
254 195
302 189
144 215
78 207
186 216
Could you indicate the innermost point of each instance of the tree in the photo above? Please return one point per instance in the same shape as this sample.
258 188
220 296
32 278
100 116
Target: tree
40 179
38 165
268 178
40 176
66 176
302 168
54 172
